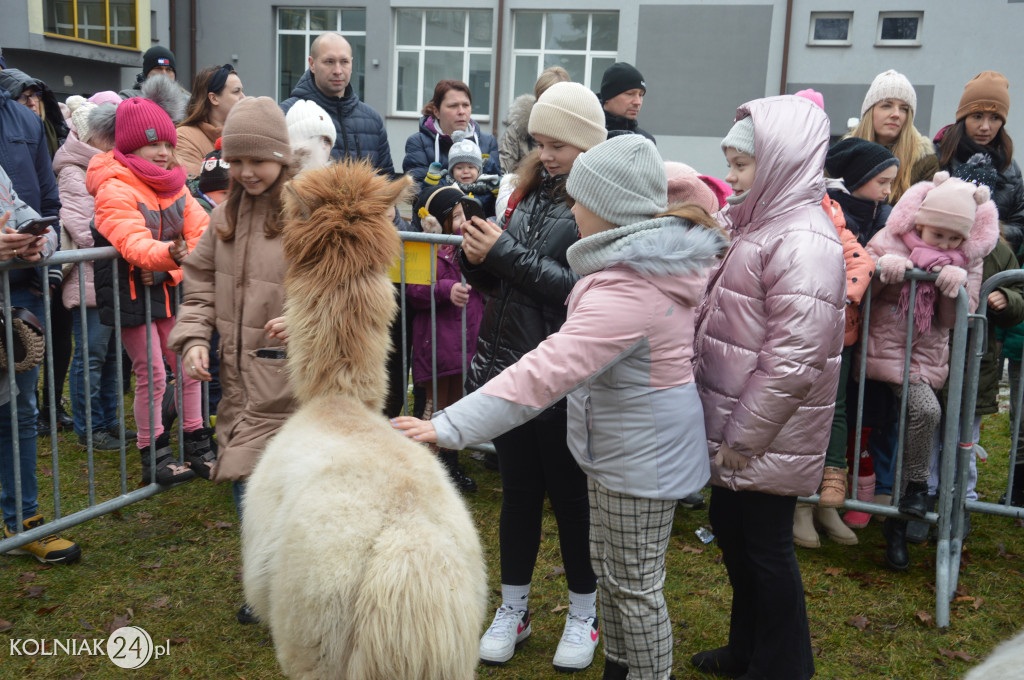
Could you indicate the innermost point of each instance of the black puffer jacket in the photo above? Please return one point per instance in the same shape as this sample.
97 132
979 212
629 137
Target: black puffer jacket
620 125
1008 193
360 129
863 217
527 280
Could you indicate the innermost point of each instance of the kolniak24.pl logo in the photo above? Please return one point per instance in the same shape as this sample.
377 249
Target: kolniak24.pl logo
127 647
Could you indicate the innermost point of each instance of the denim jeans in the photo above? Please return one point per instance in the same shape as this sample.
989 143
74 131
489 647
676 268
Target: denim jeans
102 365
27 415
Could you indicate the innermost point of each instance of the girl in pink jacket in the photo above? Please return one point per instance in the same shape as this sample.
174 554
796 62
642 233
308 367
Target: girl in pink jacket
623 361
946 226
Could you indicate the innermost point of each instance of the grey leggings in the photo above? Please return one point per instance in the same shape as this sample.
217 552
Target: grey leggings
923 416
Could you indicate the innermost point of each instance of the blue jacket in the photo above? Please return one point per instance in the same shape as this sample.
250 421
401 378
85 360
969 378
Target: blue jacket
429 144
26 158
361 132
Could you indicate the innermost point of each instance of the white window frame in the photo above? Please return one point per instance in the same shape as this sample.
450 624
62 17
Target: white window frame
422 47
811 40
589 54
916 42
310 36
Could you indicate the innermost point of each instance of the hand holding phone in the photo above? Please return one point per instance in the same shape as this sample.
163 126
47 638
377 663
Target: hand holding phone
36 226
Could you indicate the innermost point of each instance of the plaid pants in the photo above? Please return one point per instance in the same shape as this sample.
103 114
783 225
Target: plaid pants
628 540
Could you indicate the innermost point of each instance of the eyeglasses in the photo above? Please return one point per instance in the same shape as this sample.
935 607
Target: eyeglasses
25 96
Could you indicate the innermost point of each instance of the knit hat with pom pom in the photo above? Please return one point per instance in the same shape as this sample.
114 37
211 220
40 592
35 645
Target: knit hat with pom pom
952 204
464 151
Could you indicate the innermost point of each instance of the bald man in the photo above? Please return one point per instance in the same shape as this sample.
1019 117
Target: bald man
361 132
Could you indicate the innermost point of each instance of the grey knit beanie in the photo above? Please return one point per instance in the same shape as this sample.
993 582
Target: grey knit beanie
621 180
741 137
569 113
464 151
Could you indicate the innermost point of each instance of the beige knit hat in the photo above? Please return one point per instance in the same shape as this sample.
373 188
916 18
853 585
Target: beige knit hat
569 113
987 91
256 129
889 85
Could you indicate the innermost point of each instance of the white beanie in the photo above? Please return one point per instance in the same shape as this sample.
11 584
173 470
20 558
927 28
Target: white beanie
569 113
622 180
464 151
889 85
307 120
80 120
741 137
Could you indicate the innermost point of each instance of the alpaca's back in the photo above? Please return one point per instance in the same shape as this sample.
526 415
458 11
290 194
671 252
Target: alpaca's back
359 553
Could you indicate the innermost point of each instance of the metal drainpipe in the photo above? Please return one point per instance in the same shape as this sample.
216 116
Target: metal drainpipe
785 47
192 35
496 85
172 24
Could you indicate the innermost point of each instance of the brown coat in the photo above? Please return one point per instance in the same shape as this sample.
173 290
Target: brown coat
238 286
194 142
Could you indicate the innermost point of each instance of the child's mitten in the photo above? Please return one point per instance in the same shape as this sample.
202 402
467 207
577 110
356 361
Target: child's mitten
950 279
893 268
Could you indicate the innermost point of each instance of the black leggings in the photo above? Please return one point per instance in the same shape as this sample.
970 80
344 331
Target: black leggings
534 459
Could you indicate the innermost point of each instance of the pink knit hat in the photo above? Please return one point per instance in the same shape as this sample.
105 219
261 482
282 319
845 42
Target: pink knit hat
813 95
952 204
105 97
140 122
685 185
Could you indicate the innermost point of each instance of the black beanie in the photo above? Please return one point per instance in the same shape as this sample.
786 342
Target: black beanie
620 77
438 201
857 160
157 56
213 173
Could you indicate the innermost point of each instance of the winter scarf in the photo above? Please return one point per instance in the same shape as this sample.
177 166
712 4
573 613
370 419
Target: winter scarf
925 257
968 147
164 182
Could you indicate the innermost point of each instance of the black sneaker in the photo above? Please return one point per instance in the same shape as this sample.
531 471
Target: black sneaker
102 440
115 432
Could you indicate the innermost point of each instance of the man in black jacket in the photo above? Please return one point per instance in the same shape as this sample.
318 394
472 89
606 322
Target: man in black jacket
622 94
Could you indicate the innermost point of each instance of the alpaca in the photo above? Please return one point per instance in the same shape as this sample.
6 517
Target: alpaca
357 550
1006 662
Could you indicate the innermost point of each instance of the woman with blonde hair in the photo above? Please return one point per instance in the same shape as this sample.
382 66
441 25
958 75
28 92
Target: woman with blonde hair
887 118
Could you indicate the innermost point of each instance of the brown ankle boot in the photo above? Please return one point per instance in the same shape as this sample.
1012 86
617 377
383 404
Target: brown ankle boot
833 488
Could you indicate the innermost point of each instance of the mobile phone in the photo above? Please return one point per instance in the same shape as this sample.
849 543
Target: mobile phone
471 208
37 225
271 353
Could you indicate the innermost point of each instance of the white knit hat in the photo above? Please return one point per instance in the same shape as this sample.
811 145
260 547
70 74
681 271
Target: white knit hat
307 120
741 137
889 85
622 180
80 120
464 151
570 113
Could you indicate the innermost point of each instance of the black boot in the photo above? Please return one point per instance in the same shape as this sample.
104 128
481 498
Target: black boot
719 662
613 671
915 499
919 530
1017 492
895 532
163 474
201 451
463 482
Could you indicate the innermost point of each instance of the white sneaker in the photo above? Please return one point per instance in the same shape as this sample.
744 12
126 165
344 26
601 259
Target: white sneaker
576 648
509 628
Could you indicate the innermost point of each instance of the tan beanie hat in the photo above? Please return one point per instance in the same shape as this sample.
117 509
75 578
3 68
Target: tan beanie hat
569 113
987 91
256 128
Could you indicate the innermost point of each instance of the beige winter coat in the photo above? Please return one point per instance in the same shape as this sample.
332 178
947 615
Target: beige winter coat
238 286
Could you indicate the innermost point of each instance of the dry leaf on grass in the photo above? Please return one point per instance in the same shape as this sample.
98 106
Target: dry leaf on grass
559 608
26 577
924 617
34 592
5 626
119 622
858 622
950 654
690 549
834 571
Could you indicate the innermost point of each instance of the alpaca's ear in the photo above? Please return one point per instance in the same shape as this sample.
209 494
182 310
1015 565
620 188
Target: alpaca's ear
399 190
292 197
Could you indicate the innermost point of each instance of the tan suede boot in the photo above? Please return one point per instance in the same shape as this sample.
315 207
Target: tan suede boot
804 534
832 523
833 488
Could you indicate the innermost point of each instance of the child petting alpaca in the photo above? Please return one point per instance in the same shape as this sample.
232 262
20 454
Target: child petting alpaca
946 226
622 358
443 210
144 210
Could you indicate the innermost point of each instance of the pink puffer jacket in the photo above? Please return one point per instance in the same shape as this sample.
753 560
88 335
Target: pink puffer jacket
77 209
887 329
770 331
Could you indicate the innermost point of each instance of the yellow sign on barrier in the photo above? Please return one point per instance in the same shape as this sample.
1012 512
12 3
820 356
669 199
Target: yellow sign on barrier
418 264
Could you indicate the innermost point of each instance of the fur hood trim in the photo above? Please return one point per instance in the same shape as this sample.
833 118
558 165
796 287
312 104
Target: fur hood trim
984 232
519 112
340 244
664 246
102 124
165 94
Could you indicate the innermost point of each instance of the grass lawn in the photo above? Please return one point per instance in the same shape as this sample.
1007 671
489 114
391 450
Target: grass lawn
171 564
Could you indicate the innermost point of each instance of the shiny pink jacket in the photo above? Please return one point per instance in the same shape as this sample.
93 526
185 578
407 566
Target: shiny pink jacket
770 331
77 209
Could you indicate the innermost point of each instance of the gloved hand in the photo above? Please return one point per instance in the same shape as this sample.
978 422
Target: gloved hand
893 268
950 279
730 459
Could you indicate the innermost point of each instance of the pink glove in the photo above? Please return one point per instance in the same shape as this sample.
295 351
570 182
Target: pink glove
893 268
730 459
950 279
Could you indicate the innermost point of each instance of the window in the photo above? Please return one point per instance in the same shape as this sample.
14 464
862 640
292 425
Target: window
899 29
296 30
109 22
432 45
584 44
830 28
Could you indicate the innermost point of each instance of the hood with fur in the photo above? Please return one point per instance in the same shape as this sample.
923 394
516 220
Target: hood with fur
519 112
